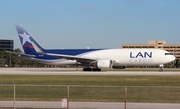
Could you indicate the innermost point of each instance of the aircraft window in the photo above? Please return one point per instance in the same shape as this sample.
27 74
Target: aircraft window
168 54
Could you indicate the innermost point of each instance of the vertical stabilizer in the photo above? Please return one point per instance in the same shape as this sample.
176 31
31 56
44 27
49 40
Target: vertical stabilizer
26 38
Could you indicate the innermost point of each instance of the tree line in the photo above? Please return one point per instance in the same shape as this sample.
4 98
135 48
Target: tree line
12 60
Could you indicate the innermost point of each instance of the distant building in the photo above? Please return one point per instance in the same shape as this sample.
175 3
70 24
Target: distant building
6 45
172 48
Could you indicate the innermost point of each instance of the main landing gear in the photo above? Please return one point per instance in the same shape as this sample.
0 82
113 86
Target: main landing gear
161 67
91 69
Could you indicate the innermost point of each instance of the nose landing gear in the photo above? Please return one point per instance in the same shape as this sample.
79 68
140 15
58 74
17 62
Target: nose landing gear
161 67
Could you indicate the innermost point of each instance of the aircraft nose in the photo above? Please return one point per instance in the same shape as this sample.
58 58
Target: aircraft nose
170 58
173 57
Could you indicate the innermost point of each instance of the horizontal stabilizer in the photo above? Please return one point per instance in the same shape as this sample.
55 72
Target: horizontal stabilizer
22 54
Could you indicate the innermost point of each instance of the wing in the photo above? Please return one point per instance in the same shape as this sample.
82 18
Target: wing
68 57
77 58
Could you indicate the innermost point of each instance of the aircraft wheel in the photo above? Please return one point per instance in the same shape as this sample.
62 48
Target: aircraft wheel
84 69
87 69
161 70
96 69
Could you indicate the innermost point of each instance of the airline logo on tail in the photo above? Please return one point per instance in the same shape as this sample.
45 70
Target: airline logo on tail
25 38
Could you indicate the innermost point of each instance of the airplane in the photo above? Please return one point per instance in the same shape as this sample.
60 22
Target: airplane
91 59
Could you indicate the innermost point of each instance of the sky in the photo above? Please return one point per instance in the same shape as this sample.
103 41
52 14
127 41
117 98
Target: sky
91 23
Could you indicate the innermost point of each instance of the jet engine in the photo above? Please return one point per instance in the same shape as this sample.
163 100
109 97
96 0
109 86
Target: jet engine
104 64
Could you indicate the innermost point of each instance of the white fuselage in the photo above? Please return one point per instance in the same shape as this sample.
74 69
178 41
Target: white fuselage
137 57
130 57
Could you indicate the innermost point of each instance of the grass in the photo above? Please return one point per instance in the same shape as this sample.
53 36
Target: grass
91 80
87 93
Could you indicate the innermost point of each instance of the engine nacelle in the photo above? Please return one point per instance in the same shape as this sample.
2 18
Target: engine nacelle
104 64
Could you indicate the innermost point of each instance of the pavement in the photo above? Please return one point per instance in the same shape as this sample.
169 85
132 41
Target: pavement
75 71
89 105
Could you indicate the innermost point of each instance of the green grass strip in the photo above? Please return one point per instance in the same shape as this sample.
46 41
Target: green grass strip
84 92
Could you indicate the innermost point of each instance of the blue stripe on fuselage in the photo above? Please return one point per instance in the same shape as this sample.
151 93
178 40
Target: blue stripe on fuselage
72 52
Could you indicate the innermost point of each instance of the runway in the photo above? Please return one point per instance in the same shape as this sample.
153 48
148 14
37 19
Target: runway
75 71
90 105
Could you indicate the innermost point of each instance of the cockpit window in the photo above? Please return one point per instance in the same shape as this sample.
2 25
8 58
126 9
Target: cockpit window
168 54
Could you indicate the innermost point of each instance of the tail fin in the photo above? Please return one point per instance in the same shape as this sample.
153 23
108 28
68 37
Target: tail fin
26 40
